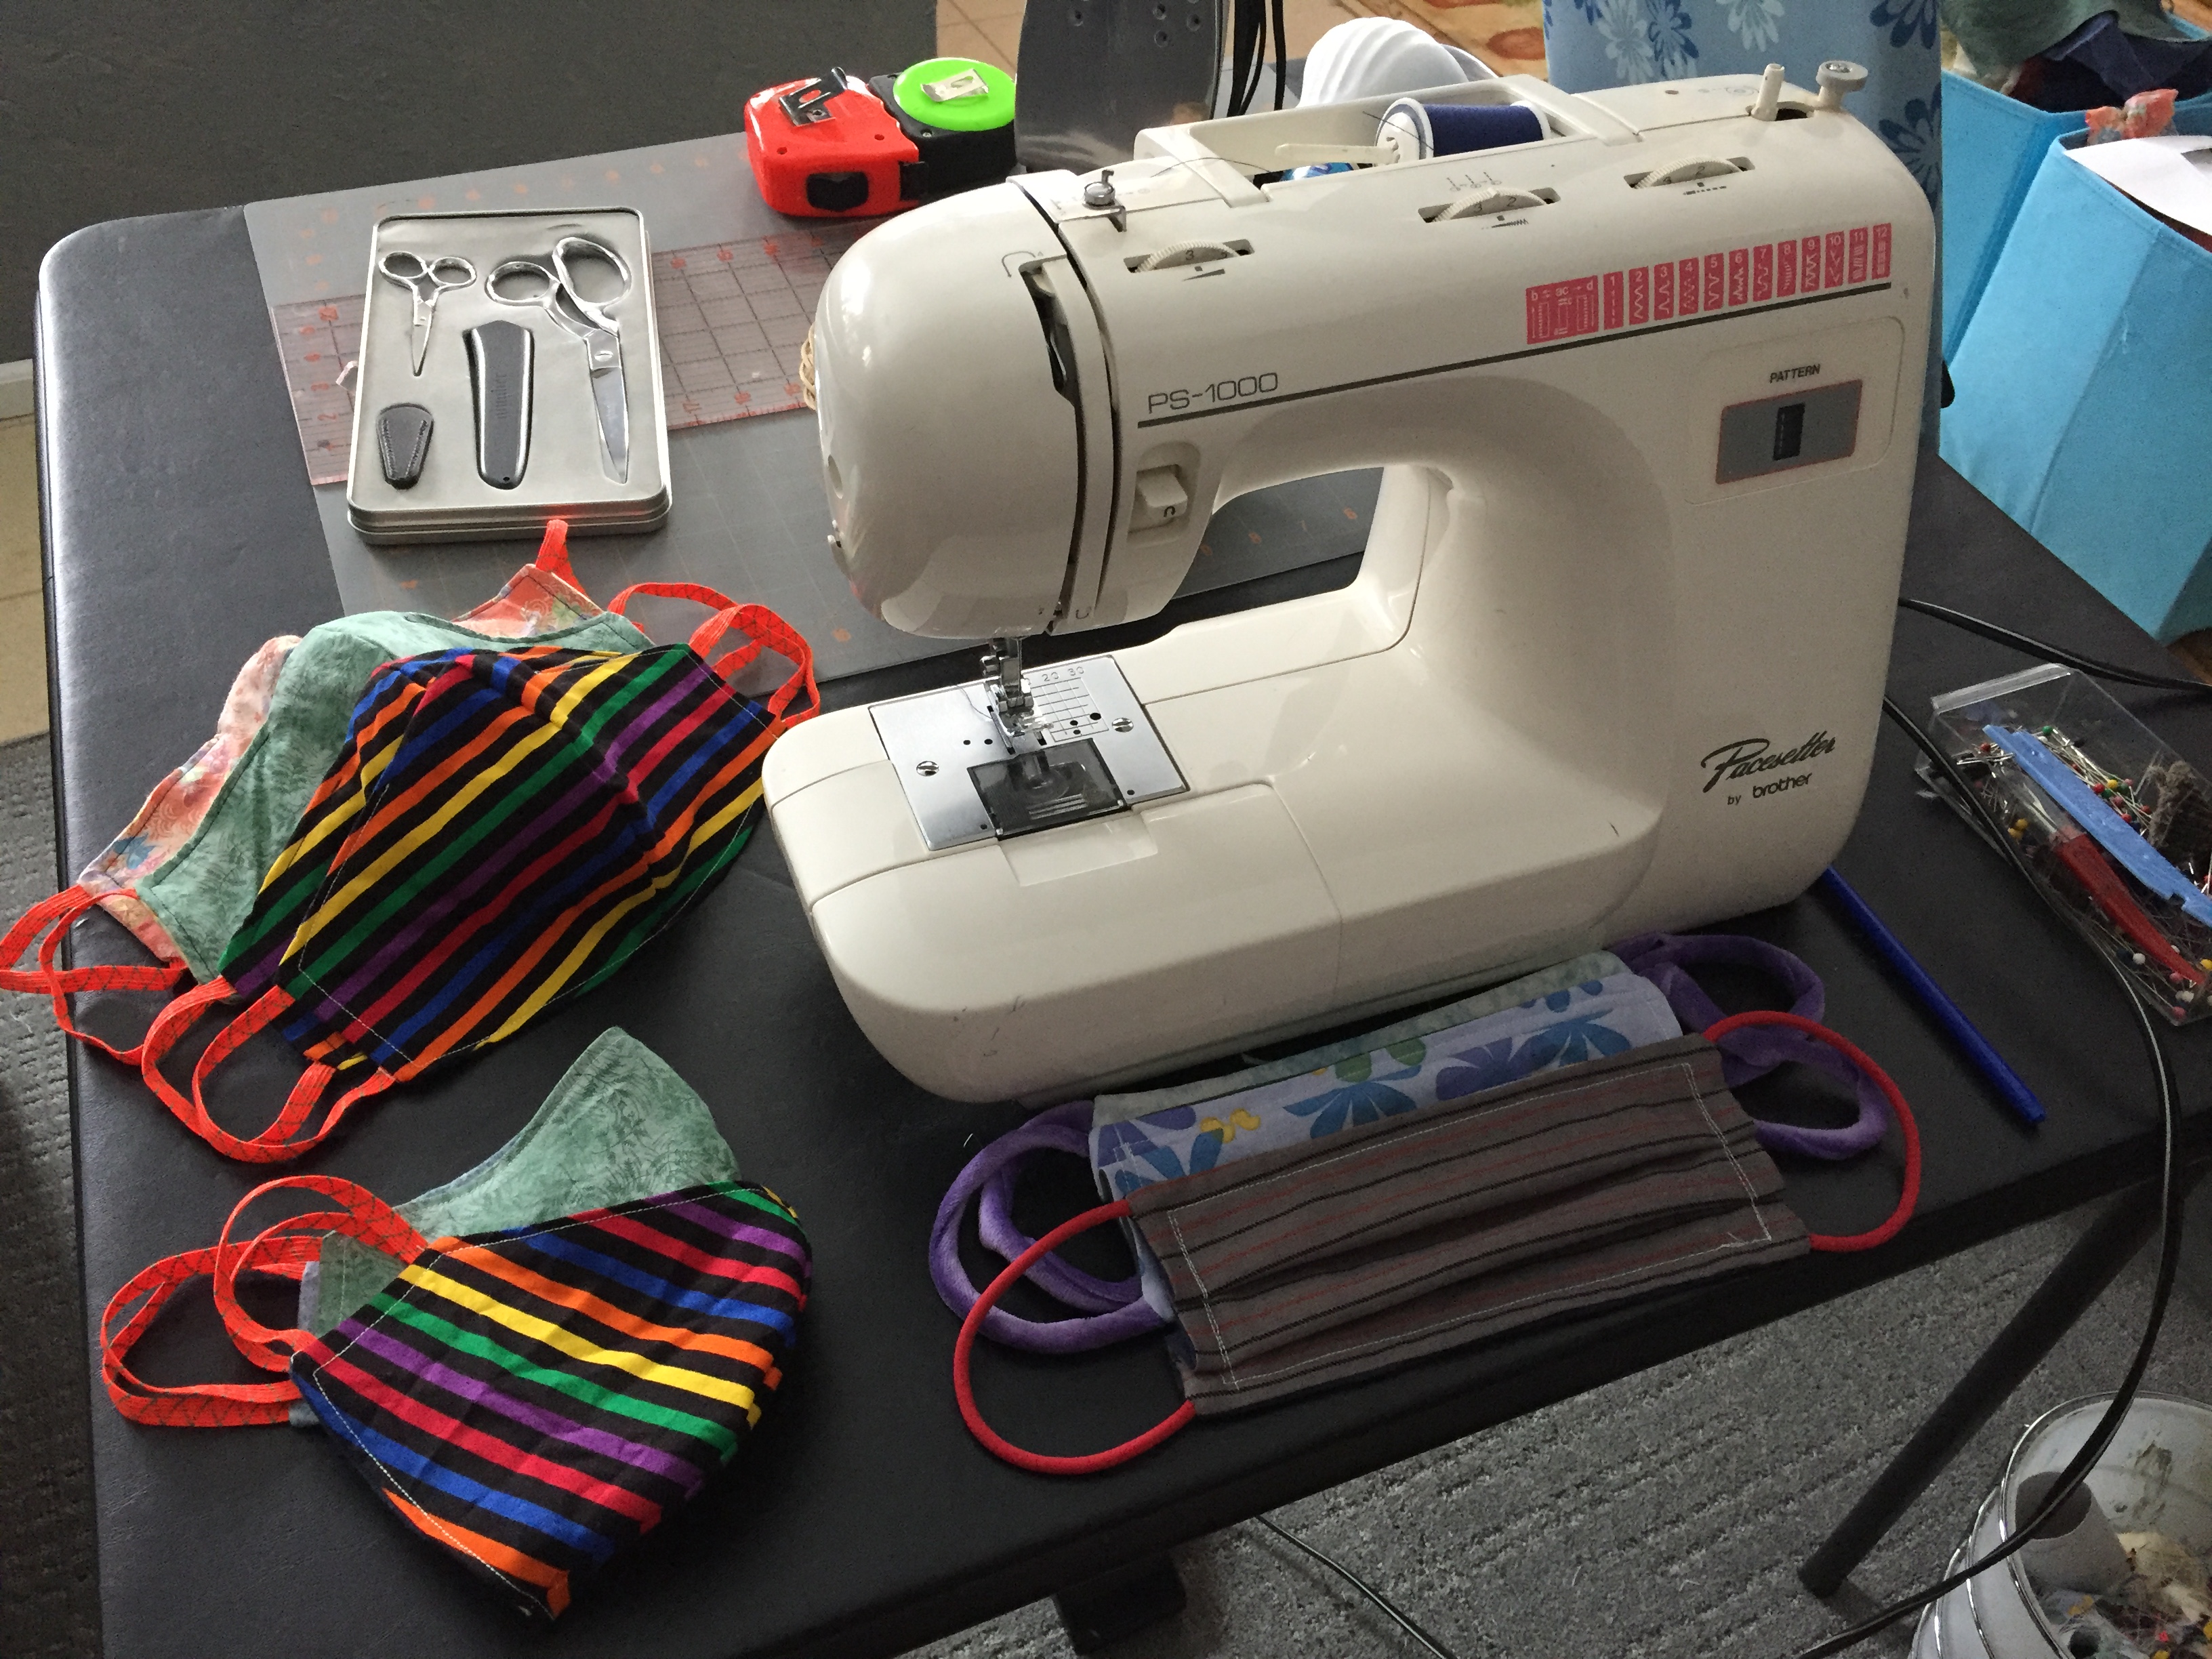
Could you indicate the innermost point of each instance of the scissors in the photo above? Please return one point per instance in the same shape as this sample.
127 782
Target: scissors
554 291
426 280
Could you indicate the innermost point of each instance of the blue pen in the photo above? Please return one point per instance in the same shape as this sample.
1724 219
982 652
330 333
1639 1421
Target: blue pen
1987 1060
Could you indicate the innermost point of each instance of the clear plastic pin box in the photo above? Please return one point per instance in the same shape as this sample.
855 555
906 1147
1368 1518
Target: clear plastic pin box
2115 826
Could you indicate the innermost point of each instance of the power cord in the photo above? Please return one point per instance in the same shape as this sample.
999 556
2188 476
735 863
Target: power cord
1403 1620
2172 1191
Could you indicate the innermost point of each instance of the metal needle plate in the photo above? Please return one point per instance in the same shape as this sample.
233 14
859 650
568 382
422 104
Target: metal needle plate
934 739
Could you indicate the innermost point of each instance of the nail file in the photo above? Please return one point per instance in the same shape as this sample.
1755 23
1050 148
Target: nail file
403 439
500 357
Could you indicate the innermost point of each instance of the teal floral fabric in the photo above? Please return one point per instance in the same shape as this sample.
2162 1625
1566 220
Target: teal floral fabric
1587 1019
1592 43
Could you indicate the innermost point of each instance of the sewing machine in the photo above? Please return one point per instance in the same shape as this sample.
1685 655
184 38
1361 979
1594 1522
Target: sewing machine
1646 393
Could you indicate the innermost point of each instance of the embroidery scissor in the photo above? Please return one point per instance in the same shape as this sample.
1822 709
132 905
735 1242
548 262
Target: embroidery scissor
425 280
554 291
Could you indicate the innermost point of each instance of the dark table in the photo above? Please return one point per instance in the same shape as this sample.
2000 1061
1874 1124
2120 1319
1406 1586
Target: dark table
861 1518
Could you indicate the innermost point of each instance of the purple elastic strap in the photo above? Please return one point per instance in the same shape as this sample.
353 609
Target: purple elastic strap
1114 1311
1755 1050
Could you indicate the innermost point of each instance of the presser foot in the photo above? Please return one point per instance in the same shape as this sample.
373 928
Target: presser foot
1085 747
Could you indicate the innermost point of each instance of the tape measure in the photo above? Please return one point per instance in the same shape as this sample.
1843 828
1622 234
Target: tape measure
835 147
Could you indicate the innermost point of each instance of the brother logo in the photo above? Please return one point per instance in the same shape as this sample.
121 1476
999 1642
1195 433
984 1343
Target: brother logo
1802 372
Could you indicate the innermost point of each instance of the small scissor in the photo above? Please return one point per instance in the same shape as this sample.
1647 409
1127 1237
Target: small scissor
426 280
527 282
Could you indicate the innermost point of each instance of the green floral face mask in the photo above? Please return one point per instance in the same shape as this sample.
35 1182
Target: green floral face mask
183 874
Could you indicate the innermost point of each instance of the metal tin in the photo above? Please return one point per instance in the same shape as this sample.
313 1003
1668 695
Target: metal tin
568 475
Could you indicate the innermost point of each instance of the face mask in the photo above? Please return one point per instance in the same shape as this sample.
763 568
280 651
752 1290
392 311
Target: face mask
1583 1009
1309 1263
531 1398
501 830
621 1125
183 872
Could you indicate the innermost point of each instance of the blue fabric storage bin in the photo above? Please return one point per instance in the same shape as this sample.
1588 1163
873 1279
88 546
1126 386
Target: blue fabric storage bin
1992 147
2085 391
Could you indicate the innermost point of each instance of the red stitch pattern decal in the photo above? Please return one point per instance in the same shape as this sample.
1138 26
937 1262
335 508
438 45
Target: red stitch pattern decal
1708 282
1560 311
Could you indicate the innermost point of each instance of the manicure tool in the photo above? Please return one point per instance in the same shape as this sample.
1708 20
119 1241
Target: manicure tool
554 291
500 361
425 281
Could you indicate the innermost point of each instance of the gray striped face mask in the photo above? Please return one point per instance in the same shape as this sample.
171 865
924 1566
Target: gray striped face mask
1308 1266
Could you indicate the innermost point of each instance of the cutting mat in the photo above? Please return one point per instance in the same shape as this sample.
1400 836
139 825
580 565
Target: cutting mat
732 317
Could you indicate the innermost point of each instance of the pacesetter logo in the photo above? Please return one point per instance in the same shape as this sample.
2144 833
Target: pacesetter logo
1749 758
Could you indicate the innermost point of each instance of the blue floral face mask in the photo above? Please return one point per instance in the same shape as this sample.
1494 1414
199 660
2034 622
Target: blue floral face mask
1588 1009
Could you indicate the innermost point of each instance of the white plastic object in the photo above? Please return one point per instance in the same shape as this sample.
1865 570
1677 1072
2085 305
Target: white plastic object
1371 56
1769 102
1837 77
1517 734
1688 170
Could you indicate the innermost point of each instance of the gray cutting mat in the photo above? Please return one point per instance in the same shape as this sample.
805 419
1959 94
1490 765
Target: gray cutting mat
735 290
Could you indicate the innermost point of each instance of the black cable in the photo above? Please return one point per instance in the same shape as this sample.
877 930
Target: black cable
1405 1622
1282 53
2035 648
2171 1195
1248 50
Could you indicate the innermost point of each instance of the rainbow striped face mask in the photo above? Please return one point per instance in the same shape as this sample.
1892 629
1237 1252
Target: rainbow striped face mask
532 1395
502 829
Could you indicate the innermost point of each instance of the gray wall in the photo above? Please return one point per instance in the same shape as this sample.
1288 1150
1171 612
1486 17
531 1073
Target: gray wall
110 108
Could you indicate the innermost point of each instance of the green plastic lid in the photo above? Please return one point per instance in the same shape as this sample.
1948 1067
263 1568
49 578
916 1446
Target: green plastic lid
979 111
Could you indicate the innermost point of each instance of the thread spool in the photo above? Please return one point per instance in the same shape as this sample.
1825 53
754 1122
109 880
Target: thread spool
1419 130
2076 1549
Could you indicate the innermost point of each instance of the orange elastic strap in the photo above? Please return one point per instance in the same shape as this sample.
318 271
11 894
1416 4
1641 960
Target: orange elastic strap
51 917
274 1144
283 1249
760 626
553 553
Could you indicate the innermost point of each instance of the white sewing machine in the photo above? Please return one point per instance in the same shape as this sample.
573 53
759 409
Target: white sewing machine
1647 394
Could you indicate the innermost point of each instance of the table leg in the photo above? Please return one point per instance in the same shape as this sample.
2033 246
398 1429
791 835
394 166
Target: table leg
1116 1604
2078 1280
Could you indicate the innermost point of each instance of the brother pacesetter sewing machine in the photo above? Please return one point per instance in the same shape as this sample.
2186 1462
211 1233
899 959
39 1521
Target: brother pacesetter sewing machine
1646 391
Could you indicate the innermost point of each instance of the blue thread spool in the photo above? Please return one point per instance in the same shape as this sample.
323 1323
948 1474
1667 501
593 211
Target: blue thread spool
1455 129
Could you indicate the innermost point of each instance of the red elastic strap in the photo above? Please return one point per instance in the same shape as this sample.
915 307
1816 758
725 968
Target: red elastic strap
274 1144
972 1326
761 627
285 1250
553 553
51 917
1909 1196
365 1217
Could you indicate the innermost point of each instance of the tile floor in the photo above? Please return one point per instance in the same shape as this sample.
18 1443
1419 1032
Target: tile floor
22 600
